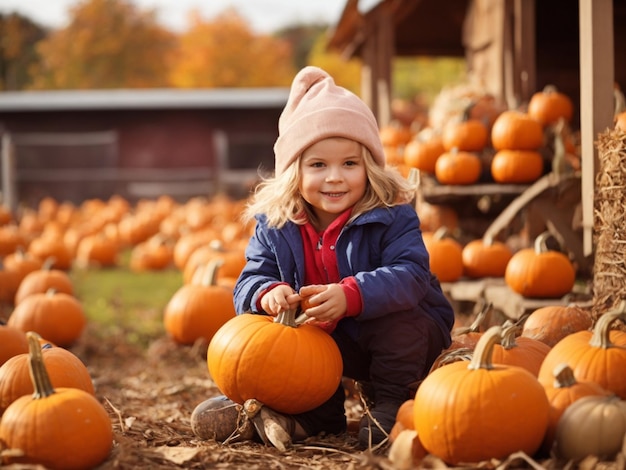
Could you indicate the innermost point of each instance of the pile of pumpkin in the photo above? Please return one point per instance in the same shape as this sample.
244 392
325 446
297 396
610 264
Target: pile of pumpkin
546 387
46 392
487 142
41 316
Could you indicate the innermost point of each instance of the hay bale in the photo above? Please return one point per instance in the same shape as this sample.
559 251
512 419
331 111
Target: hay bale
609 272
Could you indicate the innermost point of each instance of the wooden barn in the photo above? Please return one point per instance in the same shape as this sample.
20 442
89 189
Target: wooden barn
75 145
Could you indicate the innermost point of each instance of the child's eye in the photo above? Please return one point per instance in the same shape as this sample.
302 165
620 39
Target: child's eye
351 163
317 165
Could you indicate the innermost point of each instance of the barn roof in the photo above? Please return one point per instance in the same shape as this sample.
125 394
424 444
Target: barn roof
69 100
421 27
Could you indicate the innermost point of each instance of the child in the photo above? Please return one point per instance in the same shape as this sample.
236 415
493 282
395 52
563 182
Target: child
336 227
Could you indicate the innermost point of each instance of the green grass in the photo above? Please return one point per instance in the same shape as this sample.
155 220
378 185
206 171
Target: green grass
118 301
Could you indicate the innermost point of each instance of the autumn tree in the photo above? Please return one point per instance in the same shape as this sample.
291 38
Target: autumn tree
107 44
225 52
18 36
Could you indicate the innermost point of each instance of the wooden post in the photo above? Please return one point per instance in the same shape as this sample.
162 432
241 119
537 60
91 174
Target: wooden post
9 193
596 96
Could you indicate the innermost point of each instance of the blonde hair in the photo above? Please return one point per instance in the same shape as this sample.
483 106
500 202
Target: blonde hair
280 200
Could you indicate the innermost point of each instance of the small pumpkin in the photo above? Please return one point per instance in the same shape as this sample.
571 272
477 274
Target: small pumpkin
423 152
459 408
561 393
592 355
97 249
57 316
540 272
485 257
52 426
233 260
289 367
446 255
515 130
458 167
466 135
552 323
591 426
40 280
516 166
198 309
549 105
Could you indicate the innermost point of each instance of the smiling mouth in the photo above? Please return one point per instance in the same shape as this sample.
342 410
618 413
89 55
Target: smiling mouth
333 194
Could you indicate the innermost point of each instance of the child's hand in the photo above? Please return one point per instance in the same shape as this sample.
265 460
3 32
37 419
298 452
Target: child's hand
280 299
325 303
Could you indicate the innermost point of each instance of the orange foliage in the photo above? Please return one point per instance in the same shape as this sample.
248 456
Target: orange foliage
107 44
224 52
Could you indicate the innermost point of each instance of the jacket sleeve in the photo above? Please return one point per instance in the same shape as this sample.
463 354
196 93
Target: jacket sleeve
262 270
403 280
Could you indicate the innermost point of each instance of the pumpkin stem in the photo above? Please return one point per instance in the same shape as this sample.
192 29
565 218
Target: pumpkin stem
509 334
601 332
38 373
48 263
482 358
441 233
563 376
540 242
477 324
287 318
207 276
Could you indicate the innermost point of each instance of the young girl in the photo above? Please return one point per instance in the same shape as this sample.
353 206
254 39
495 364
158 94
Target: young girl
334 226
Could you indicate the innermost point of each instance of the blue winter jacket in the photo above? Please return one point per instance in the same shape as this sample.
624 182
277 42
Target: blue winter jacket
383 249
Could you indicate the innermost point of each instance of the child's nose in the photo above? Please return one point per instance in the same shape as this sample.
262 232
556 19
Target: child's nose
334 174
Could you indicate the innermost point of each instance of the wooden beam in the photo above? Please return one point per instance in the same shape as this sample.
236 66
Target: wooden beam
524 43
597 78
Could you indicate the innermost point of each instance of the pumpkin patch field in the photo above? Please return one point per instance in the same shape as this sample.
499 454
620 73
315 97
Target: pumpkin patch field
126 297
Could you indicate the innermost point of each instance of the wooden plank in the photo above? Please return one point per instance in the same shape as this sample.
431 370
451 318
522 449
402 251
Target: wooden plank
470 290
597 76
513 305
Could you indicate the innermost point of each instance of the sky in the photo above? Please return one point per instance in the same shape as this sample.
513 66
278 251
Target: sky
264 16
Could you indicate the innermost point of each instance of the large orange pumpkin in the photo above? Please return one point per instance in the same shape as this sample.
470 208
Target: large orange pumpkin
64 428
288 367
592 355
480 411
65 369
40 280
539 272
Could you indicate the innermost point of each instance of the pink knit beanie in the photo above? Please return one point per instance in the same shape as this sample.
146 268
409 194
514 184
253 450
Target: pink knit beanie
317 109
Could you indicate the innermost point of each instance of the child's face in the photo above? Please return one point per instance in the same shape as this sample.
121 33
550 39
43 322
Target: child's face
333 177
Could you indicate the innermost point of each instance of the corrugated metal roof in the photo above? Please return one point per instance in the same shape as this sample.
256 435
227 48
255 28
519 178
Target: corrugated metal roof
68 100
